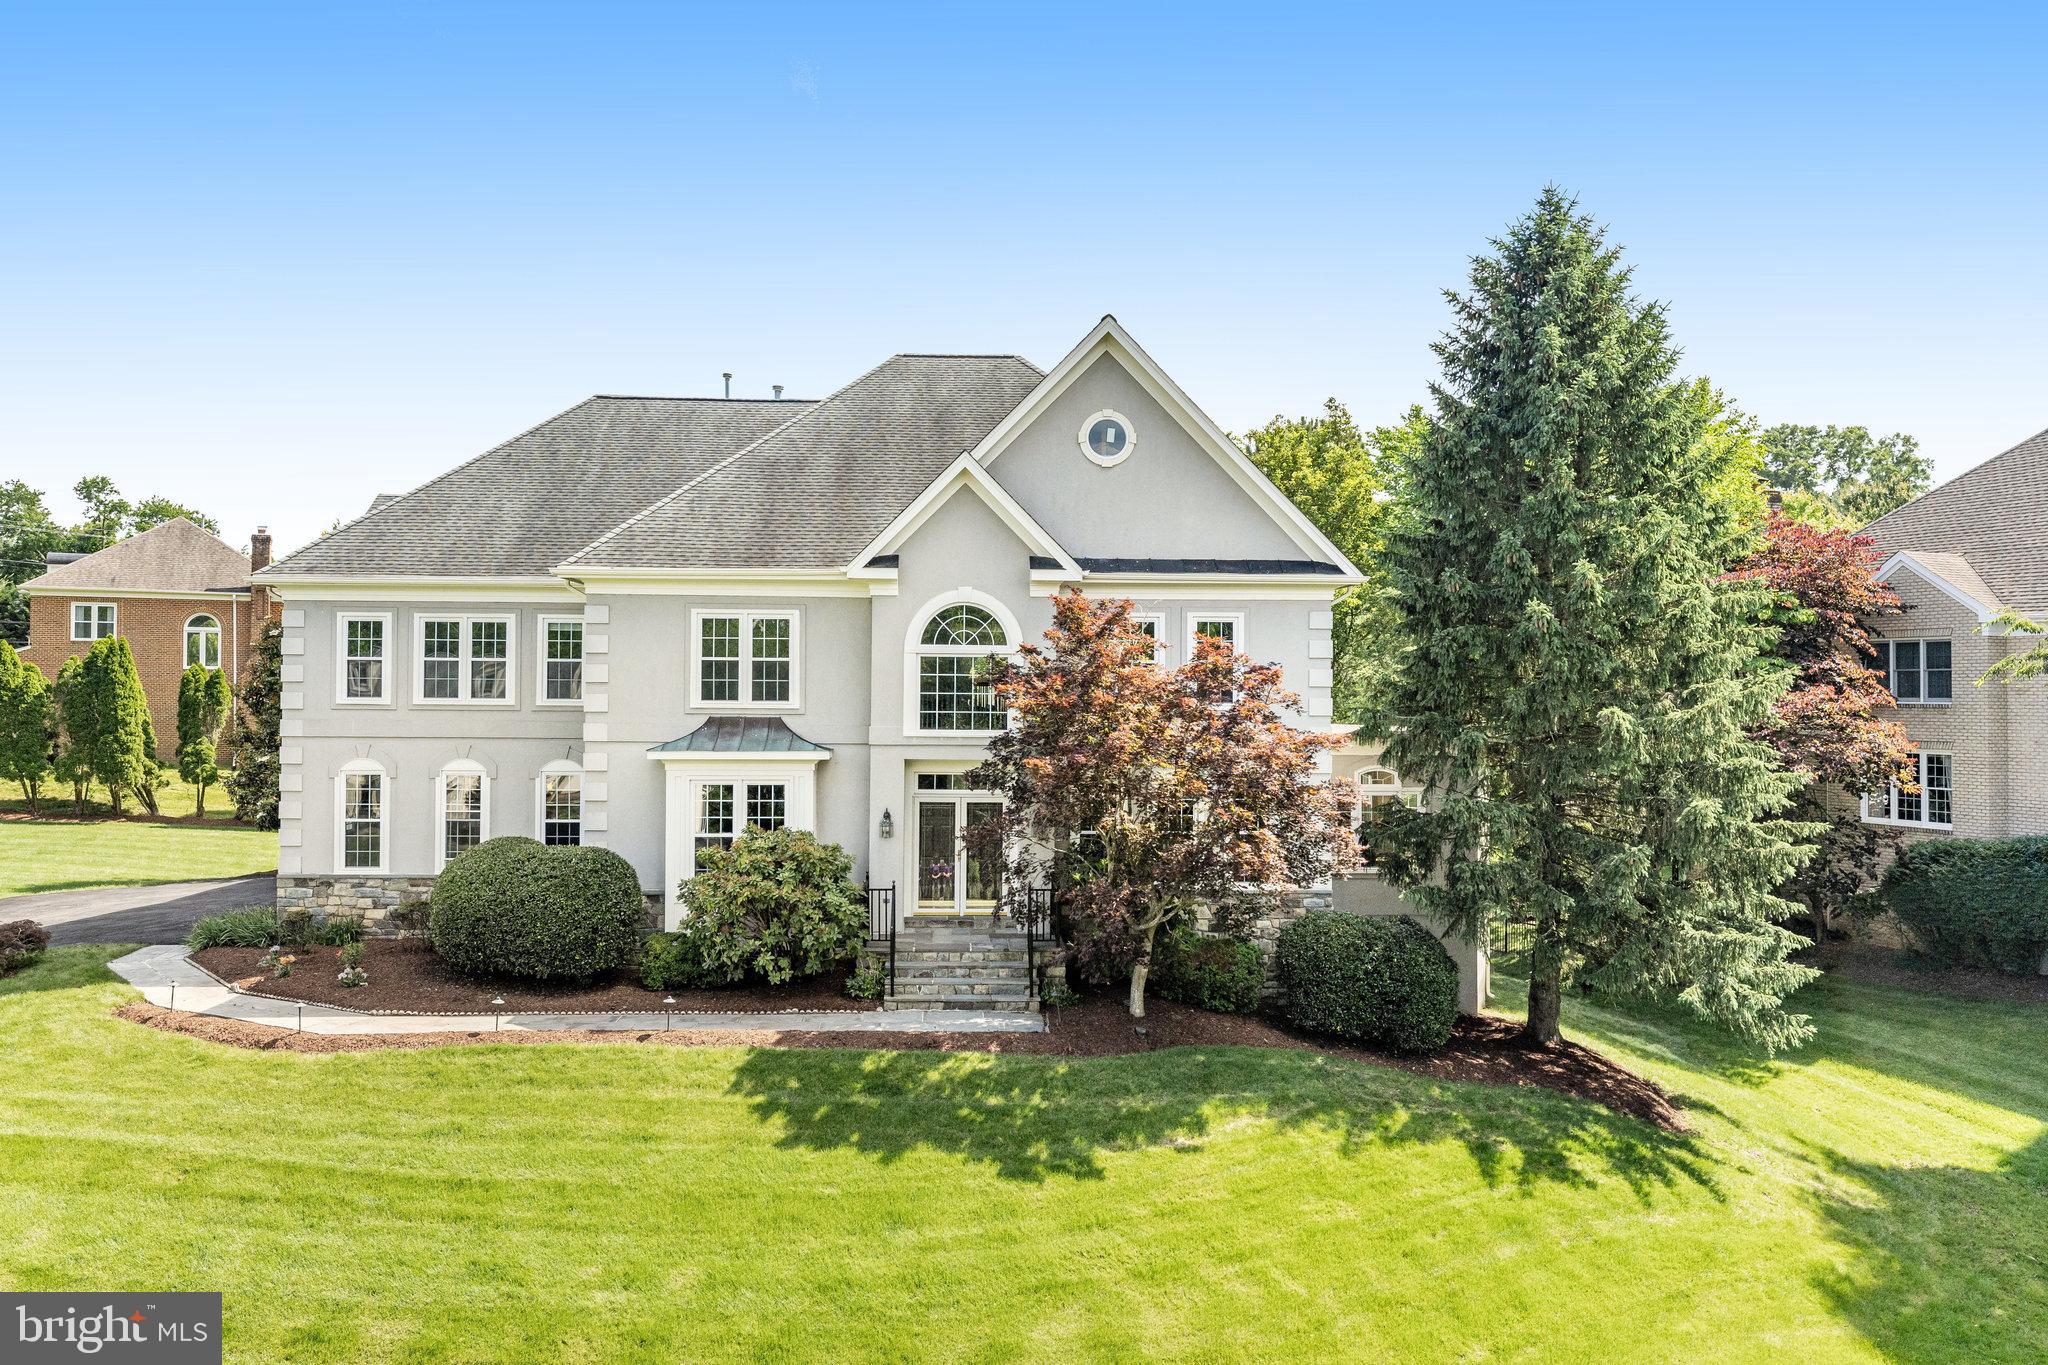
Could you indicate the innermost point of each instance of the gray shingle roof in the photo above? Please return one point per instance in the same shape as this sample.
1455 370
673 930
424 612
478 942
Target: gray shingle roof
814 493
172 556
741 735
1995 516
524 506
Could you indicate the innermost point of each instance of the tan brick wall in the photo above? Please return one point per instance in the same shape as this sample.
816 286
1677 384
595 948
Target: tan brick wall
155 630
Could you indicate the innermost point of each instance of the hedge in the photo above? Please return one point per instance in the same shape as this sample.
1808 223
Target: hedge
1208 971
1385 981
1974 902
517 907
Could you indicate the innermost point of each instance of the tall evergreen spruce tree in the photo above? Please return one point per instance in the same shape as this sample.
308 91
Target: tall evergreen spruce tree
1583 681
260 722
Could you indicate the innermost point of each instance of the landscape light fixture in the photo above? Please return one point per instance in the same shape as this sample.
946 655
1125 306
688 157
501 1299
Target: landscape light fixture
497 1004
667 1018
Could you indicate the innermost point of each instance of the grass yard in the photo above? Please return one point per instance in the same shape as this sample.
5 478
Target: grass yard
63 854
1882 1196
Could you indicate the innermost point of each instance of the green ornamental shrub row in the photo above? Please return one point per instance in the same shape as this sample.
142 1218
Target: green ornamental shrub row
22 941
1974 902
778 904
517 907
1208 971
1385 981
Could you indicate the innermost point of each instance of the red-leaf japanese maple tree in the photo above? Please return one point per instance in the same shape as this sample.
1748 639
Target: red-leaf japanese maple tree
1144 793
1827 724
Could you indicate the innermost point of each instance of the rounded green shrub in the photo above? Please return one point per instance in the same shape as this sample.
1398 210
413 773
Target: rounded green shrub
675 962
1207 971
778 904
517 907
1974 902
1385 981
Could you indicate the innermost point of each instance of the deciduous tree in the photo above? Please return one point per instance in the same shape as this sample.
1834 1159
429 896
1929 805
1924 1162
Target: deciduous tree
1844 477
1581 679
1147 794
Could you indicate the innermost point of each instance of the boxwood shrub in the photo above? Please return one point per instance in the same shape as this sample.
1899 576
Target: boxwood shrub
1385 981
517 907
1207 971
1974 902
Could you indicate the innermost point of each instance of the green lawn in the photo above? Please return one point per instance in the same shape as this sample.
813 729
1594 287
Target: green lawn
63 855
1882 1196
178 801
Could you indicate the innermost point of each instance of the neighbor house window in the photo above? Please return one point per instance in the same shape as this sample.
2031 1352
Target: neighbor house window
1916 671
561 804
746 658
465 658
92 620
364 642
462 809
202 642
362 809
954 653
1932 805
561 660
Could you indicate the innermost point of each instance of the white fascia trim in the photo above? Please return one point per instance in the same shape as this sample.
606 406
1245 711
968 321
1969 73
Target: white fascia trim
966 472
735 758
1109 338
723 582
423 588
180 594
1986 612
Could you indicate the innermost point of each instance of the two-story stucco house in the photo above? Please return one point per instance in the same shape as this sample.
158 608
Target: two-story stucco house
648 623
1957 556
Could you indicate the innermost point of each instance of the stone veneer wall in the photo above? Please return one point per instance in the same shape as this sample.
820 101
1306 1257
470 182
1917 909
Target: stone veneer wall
1280 912
374 898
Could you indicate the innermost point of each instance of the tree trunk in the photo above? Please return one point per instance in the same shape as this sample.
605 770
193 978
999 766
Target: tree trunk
199 812
1142 970
1546 976
114 799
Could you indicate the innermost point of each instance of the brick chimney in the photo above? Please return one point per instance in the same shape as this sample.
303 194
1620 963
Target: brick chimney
259 550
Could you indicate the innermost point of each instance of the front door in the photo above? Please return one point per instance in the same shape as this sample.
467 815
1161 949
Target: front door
952 880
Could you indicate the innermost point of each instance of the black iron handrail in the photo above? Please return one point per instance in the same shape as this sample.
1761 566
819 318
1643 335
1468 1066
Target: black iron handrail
882 925
1037 917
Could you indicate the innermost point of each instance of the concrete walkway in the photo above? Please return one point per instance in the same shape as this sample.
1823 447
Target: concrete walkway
137 914
170 979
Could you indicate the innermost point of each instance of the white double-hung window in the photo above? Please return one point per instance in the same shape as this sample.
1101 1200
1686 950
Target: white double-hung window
561 803
464 659
363 644
725 809
362 808
561 660
745 658
1918 672
464 810
1932 805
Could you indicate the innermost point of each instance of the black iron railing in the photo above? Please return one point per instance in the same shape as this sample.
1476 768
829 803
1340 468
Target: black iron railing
1036 912
882 925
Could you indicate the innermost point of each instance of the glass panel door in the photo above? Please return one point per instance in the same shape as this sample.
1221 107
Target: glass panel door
983 872
938 839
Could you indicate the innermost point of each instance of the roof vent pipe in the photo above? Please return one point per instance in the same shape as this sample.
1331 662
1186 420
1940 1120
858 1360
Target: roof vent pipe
778 391
728 383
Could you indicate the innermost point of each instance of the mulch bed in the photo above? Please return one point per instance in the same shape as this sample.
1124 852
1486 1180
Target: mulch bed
1879 966
407 978
1486 1049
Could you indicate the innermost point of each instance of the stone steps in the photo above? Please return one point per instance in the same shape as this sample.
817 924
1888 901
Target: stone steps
960 964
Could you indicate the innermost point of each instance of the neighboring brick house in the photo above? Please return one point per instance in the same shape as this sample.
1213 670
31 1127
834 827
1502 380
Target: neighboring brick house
1957 556
176 593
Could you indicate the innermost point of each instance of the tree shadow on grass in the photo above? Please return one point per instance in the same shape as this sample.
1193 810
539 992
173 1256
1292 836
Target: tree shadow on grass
1033 1118
1948 1262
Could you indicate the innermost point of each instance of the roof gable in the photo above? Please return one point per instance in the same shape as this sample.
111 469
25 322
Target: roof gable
1108 340
965 474
1992 516
173 556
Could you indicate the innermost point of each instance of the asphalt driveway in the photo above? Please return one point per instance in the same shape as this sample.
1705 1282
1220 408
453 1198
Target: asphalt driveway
137 914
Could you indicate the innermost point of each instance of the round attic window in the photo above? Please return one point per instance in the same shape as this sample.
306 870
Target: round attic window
1106 438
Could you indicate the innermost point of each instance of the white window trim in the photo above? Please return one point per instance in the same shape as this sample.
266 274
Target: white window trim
1920 771
1236 619
1130 438
540 654
191 630
913 647
1885 657
113 610
469 621
540 797
461 767
685 775
747 616
341 696
362 765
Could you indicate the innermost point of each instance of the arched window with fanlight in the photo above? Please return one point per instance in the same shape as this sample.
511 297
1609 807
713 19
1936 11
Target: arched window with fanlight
202 641
1378 790
952 651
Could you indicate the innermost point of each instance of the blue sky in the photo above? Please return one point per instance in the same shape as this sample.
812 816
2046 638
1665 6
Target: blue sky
272 259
